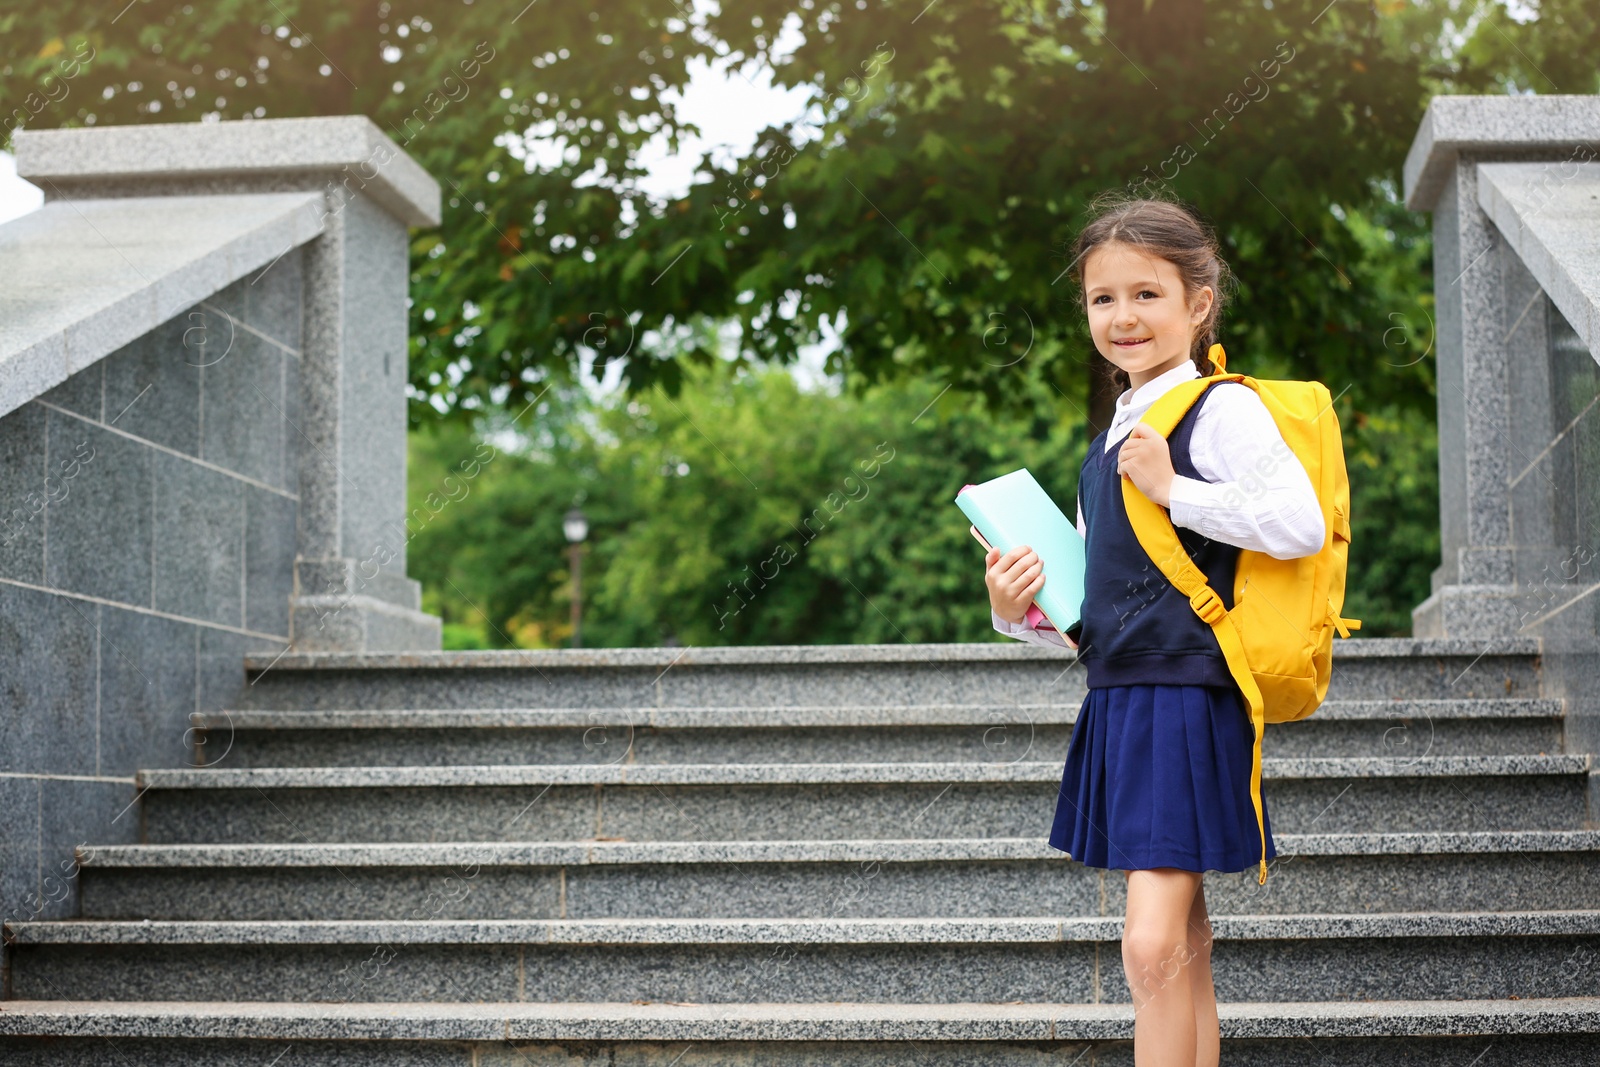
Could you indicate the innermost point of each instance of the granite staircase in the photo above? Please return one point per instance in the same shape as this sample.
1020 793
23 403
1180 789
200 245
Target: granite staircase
806 855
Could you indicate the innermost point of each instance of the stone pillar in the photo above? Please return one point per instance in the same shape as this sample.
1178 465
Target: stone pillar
1482 296
350 590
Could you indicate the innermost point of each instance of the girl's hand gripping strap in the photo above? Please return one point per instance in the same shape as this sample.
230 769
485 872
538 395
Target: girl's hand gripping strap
1159 538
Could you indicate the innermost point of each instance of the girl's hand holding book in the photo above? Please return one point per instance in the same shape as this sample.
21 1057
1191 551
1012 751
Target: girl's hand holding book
1013 580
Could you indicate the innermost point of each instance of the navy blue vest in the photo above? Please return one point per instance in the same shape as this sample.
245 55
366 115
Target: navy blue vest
1137 627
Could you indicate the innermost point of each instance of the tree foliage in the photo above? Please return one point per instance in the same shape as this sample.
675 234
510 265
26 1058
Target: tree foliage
747 511
743 510
926 206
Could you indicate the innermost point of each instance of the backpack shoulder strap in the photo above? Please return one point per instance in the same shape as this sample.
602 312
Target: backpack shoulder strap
1159 538
1155 531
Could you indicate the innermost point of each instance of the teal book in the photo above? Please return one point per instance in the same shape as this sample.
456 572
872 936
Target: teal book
1014 509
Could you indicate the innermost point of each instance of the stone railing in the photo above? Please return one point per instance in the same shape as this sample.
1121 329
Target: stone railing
1513 183
202 448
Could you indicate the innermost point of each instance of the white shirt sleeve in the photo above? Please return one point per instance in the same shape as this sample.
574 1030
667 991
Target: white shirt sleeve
1258 495
1023 632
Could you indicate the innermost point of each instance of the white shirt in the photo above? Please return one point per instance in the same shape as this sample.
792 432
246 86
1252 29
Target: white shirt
1259 495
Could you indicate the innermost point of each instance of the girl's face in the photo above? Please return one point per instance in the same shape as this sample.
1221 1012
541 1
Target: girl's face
1138 314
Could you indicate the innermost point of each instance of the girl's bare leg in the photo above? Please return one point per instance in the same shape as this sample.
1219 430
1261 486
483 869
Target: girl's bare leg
1208 1038
1158 958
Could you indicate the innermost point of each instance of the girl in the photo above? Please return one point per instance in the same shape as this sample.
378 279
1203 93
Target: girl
1157 775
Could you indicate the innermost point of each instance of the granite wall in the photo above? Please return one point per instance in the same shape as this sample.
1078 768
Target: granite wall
1547 452
1555 504
1513 184
148 515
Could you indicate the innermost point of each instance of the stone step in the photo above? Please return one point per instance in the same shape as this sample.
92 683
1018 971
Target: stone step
971 878
1406 956
710 802
1550 1032
346 737
999 673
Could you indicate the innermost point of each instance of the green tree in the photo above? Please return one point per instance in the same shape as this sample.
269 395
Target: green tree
747 511
958 144
1547 46
926 212
742 511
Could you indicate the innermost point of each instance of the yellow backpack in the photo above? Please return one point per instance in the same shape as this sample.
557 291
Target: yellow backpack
1278 637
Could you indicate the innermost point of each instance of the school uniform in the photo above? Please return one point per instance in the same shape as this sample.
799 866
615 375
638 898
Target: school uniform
1157 772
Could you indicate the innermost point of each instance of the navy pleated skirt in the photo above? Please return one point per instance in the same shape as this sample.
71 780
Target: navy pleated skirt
1158 775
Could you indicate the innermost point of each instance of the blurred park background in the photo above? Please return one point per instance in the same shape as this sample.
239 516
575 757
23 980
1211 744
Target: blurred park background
759 288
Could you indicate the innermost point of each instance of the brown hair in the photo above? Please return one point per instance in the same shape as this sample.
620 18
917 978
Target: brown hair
1172 231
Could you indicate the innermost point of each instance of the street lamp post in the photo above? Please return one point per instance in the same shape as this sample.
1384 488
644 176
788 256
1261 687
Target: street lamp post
576 528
